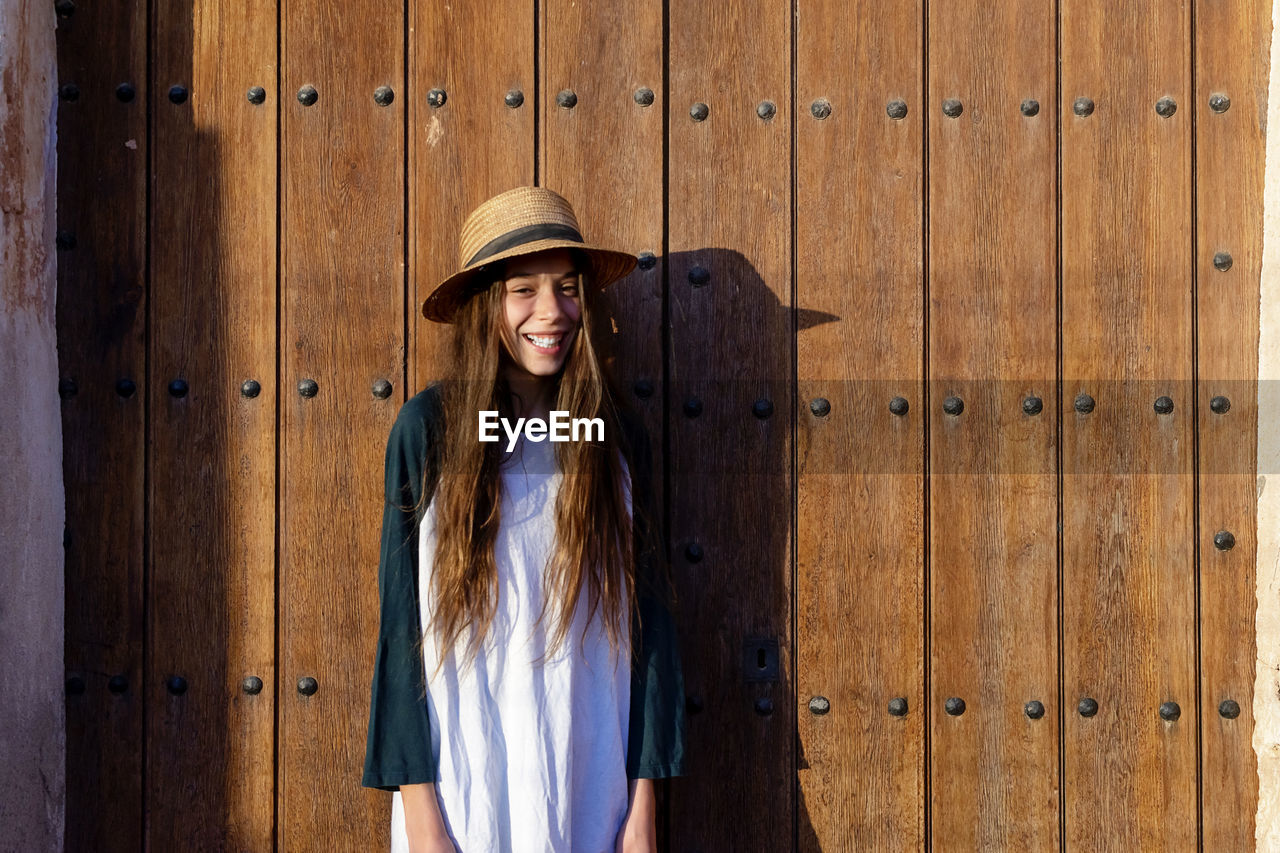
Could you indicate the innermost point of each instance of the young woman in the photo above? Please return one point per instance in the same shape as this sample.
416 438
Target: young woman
527 686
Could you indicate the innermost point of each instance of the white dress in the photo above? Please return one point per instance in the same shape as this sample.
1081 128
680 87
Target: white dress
531 757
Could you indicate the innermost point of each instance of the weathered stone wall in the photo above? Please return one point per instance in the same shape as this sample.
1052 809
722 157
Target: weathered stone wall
32 716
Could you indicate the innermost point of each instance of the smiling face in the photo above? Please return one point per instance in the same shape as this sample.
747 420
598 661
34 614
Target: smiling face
542 310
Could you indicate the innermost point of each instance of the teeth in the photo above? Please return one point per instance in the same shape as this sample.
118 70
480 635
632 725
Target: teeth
543 342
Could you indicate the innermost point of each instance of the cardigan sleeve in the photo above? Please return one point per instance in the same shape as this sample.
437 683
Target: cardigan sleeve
398 751
656 737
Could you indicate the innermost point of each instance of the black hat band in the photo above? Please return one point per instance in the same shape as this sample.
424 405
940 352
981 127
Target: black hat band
525 234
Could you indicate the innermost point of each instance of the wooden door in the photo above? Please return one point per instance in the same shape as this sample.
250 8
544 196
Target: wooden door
945 331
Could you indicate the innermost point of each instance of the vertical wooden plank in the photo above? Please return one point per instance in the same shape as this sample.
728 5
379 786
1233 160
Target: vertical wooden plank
342 328
101 318
860 514
477 143
605 155
211 592
1231 50
730 498
1128 576
993 501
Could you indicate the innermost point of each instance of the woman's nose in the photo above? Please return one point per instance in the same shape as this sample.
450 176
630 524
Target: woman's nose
549 303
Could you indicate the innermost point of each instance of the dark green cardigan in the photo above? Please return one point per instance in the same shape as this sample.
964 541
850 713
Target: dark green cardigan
399 745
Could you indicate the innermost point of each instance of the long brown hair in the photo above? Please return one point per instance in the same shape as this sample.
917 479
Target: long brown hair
594 541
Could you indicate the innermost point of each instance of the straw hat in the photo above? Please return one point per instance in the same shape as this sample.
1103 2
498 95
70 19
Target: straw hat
514 223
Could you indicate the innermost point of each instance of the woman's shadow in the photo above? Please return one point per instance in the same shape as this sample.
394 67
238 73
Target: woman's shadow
727 427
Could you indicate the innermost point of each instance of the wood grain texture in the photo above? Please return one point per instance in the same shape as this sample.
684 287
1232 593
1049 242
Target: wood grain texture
470 149
1231 50
342 326
731 484
860 522
211 590
1128 576
101 327
993 467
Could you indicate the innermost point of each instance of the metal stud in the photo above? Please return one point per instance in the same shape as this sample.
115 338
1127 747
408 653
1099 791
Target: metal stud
764 706
383 96
820 108
256 95
252 685
178 94
898 706
65 240
125 388
896 110
567 98
1164 404
436 98
1084 404
1224 540
898 406
67 388
1082 107
69 92
762 409
117 684
1220 405
381 389
308 95
693 552
646 260
819 705
766 110
953 405
176 685
1032 405
692 407
64 8
699 276
514 98
1166 107
1170 712
954 706
952 108
643 96
1030 107
307 686
308 387
699 111
75 685
1087 707
125 93
820 406
1229 708
643 388
250 388
693 703
1034 709
1222 261
1219 102
178 388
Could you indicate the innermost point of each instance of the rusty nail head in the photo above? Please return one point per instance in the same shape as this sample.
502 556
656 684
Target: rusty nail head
820 406
952 108
820 109
1220 405
1083 107
896 109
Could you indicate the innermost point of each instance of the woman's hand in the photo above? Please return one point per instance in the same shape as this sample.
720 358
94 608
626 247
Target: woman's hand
639 830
